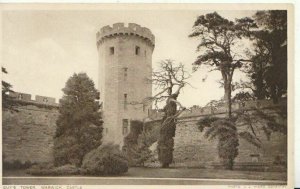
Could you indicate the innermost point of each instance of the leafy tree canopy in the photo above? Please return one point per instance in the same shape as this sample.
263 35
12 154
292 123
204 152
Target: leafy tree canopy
79 125
219 47
79 105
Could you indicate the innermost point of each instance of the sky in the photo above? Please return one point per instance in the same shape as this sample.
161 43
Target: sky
42 49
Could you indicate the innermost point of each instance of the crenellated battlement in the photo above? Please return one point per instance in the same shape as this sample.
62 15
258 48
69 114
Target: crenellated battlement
221 109
24 97
120 29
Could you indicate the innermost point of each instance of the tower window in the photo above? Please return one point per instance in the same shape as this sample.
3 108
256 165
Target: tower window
137 50
125 101
145 53
111 50
125 73
125 127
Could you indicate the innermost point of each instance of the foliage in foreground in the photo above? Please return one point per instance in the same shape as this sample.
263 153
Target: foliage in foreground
17 164
105 160
79 125
137 143
131 142
145 140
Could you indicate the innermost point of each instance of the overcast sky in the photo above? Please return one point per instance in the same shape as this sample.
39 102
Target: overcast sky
42 49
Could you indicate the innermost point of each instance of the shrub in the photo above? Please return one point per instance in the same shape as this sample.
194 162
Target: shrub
278 160
137 143
66 151
105 160
50 170
145 140
40 169
17 164
131 142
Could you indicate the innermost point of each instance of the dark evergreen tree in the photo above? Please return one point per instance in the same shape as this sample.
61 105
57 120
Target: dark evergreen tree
79 125
167 133
267 69
273 35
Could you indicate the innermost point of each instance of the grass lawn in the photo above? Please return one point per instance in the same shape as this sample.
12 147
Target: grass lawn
204 173
182 173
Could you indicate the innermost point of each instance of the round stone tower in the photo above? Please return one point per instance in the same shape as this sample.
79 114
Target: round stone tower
125 63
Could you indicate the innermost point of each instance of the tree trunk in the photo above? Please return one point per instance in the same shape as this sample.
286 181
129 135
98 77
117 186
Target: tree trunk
275 77
274 94
227 97
259 83
165 165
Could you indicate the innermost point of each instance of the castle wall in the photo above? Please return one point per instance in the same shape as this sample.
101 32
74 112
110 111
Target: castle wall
27 134
193 149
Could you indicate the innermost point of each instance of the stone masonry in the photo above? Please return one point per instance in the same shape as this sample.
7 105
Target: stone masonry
125 64
27 133
192 149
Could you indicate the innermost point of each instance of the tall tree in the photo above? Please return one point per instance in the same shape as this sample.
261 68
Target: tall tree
273 35
169 80
220 50
79 125
218 37
256 72
268 68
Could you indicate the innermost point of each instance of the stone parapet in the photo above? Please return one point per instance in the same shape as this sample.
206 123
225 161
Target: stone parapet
120 29
221 109
39 100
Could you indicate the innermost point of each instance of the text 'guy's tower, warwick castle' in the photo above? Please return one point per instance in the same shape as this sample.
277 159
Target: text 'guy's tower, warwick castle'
125 63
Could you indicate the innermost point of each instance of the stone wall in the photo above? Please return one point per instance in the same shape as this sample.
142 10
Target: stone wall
192 149
27 133
28 136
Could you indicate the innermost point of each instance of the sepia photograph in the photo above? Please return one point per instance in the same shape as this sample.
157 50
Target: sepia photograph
147 94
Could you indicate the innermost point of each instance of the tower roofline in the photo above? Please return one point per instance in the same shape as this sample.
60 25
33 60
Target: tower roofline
120 29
